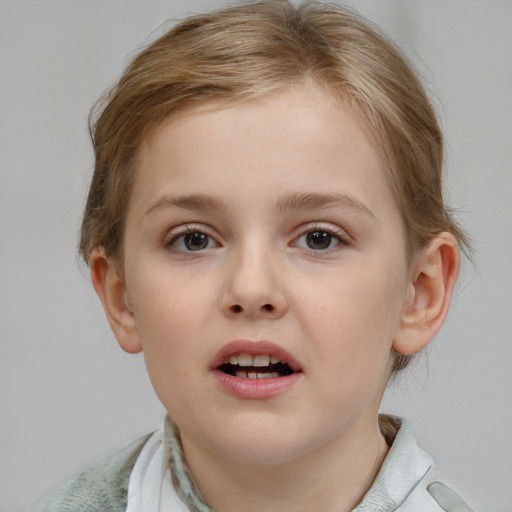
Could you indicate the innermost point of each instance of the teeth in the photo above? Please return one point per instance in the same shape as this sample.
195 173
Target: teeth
245 360
260 360
255 375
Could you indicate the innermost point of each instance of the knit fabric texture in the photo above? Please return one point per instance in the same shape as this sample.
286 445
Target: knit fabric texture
407 482
181 478
101 487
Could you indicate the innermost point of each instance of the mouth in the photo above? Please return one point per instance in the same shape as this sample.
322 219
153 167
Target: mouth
255 369
259 366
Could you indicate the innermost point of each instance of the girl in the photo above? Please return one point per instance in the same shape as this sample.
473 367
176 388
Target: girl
266 224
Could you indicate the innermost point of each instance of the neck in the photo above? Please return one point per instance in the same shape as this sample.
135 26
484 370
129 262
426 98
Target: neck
333 477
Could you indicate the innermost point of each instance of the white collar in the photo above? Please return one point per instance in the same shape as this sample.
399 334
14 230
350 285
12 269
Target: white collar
403 468
150 488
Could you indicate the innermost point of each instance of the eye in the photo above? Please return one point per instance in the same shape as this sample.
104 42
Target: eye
319 240
191 240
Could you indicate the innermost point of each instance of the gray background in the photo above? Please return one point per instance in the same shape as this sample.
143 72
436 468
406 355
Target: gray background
68 394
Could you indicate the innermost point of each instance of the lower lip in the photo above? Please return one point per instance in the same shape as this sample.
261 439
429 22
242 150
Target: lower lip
255 389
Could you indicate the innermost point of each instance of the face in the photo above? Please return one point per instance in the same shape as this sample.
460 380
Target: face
266 271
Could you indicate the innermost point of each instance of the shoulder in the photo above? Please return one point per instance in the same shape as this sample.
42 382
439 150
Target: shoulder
433 494
102 486
409 480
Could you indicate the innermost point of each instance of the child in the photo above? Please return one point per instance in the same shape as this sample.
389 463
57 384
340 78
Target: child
266 223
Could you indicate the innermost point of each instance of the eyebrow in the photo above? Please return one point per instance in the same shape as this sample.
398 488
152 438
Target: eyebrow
290 202
195 202
309 201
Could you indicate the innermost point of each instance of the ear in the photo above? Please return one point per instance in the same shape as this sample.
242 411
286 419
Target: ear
111 290
434 274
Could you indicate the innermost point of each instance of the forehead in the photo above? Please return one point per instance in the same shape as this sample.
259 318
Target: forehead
294 140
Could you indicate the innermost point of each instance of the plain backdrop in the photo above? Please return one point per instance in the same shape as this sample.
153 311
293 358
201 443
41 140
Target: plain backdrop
69 395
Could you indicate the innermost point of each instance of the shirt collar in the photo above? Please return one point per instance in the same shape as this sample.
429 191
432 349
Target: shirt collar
404 466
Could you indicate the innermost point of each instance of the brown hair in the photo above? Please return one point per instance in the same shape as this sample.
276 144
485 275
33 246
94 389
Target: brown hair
250 49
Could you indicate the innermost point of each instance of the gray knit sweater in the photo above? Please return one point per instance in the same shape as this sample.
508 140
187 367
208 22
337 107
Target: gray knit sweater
101 487
408 480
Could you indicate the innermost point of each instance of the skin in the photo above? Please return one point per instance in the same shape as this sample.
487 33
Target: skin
340 310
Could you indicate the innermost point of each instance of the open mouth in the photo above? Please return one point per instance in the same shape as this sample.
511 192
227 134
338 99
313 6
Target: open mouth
261 366
255 370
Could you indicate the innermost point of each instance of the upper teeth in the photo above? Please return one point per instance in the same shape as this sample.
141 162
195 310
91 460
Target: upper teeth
259 360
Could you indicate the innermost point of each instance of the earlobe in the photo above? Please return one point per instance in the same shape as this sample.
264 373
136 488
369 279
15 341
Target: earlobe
112 292
428 298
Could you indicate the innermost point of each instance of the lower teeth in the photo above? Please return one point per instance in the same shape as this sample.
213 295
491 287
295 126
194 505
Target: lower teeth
255 375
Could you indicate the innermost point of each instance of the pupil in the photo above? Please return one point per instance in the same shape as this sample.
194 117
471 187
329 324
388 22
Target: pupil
196 241
318 239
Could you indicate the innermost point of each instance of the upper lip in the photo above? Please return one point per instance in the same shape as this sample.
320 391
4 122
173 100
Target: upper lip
254 348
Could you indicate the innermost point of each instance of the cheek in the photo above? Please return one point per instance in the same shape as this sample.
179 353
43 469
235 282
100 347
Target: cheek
353 337
165 297
166 322
167 311
355 316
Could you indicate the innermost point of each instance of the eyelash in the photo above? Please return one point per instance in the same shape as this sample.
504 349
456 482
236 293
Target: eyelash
181 234
336 235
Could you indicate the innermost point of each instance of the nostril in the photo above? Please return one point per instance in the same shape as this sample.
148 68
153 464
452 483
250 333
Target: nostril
237 308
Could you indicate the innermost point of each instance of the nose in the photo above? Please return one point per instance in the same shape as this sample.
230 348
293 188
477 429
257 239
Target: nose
254 286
